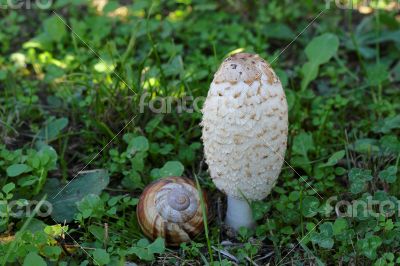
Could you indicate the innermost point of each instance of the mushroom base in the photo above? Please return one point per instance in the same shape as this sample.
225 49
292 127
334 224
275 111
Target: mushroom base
239 214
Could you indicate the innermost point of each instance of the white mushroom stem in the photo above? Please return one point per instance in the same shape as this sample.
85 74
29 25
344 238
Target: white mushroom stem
239 214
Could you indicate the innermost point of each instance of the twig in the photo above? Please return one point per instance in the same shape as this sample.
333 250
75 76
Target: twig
226 254
105 235
251 261
265 256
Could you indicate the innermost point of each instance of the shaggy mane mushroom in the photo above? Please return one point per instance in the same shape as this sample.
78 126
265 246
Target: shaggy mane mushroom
245 124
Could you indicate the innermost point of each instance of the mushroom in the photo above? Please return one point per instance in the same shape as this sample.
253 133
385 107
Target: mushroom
245 125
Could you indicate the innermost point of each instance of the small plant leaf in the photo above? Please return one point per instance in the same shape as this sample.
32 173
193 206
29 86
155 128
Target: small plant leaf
54 28
91 206
389 174
34 259
138 144
8 187
334 159
17 169
322 48
52 128
324 237
310 206
358 179
310 72
377 74
158 246
303 143
101 256
369 245
171 168
64 200
339 226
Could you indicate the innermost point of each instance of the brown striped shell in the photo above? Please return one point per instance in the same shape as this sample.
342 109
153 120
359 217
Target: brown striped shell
171 208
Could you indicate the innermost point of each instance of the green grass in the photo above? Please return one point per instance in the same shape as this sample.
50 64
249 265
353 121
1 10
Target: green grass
60 105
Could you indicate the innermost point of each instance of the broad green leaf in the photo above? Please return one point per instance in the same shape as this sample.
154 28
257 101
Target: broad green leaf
55 28
172 168
52 128
101 256
34 259
334 159
52 252
143 242
310 72
138 144
97 231
322 48
158 246
319 51
8 188
17 169
64 197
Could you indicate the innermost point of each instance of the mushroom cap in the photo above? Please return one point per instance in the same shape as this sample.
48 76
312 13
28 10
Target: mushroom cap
245 125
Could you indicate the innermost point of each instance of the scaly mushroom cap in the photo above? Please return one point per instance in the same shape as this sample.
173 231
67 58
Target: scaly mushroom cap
245 125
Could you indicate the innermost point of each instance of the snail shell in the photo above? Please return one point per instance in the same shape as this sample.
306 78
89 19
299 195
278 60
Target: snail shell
171 208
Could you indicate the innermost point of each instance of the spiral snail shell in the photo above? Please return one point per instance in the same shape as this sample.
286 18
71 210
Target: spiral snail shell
171 208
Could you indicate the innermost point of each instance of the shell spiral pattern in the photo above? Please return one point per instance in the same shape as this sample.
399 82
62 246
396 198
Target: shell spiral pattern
170 208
